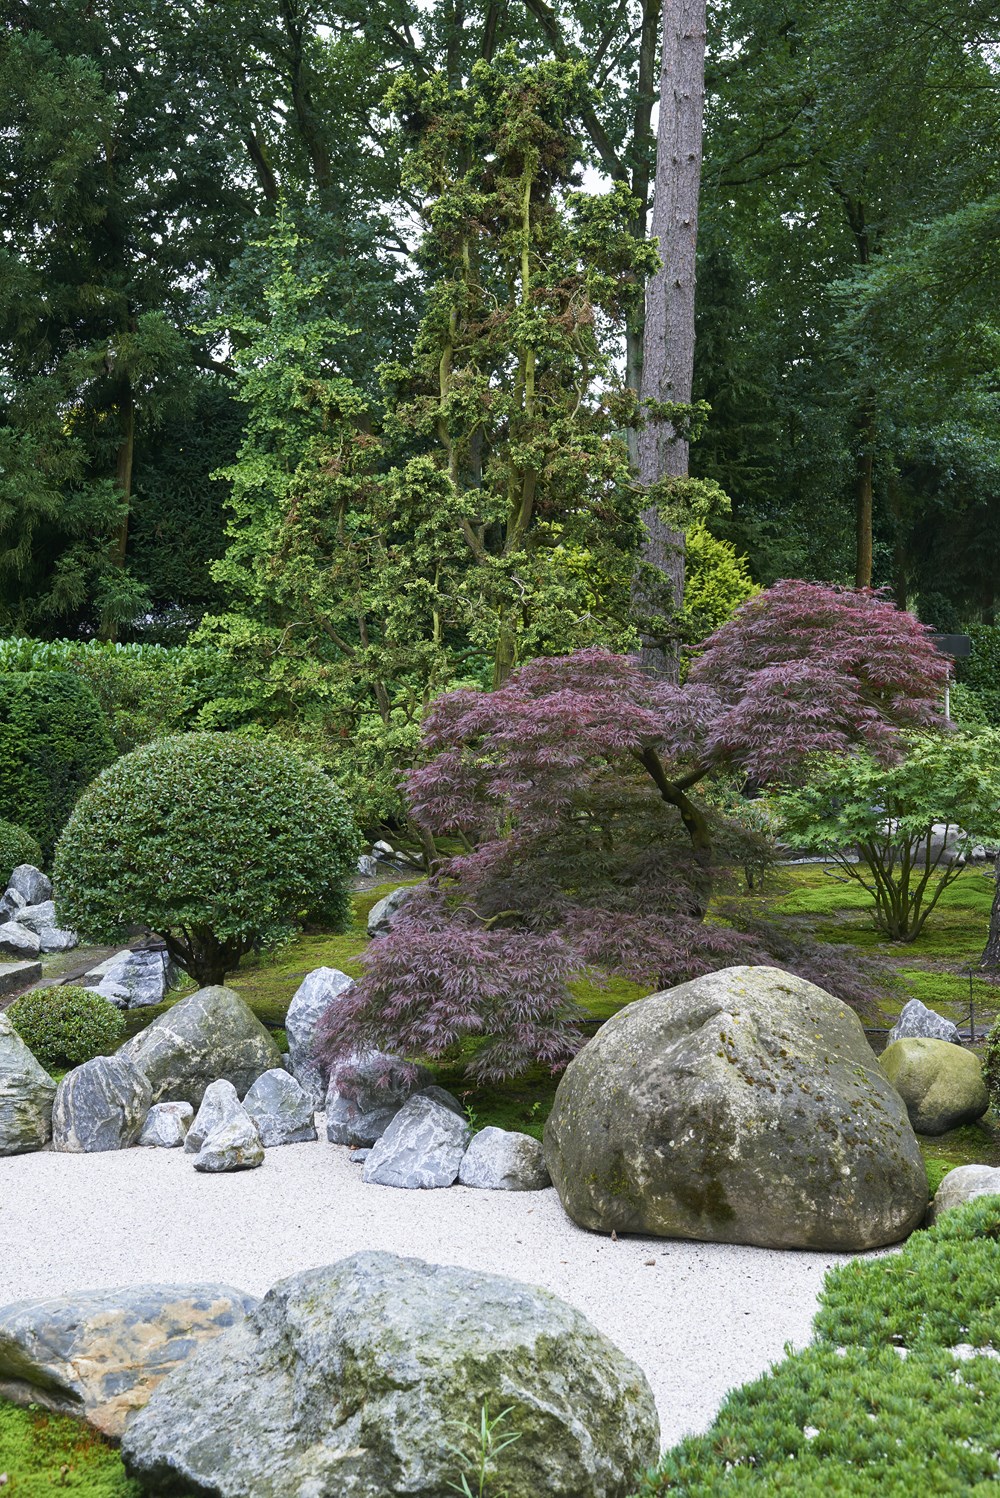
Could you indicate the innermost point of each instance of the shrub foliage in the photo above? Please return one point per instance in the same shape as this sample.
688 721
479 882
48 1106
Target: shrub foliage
53 741
67 1026
218 842
16 846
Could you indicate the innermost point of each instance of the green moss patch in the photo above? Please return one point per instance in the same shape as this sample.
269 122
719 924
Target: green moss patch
44 1454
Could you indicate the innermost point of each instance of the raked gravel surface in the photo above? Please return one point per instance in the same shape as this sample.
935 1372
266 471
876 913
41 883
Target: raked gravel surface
700 1319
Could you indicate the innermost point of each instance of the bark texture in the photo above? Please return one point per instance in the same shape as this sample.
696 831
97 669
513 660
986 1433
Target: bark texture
991 952
668 345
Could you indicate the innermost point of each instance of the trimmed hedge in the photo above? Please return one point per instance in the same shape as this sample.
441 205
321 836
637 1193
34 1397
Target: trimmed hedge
16 846
853 1414
67 1026
220 842
53 741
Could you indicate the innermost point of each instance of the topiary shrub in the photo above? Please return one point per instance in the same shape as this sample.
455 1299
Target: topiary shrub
991 1066
53 741
16 846
67 1026
218 842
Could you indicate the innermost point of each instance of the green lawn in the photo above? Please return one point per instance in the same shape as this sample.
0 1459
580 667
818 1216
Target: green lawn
43 1455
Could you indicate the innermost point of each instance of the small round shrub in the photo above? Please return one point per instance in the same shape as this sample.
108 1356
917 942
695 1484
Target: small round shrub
218 841
16 846
991 1066
66 1026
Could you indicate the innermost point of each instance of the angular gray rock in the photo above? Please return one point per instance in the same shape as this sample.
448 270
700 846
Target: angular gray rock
15 977
223 1136
167 1125
442 1096
99 1354
19 941
12 902
356 1380
101 1105
30 883
744 1107
358 1157
964 1184
209 1035
136 980
367 866
35 917
365 1093
917 1021
282 1110
57 939
421 1149
320 989
26 1095
384 913
501 1160
940 1083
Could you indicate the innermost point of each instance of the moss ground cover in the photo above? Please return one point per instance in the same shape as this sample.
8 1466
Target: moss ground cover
42 1455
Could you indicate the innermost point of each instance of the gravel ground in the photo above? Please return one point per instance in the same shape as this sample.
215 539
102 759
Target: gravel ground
700 1319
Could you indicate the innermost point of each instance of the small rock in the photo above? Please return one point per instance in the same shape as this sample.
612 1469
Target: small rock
917 1021
37 916
317 992
137 980
365 1093
384 913
101 1105
358 1157
26 1094
964 1184
223 1136
940 1083
18 941
281 1109
12 902
367 866
167 1125
498 1160
383 849
101 1353
57 939
30 883
220 1103
421 1149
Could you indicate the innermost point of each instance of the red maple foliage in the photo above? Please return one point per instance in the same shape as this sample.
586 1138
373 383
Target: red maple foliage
573 791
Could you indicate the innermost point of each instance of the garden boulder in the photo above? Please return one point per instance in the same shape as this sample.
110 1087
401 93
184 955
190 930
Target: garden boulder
940 1083
19 941
99 1354
743 1107
365 1093
136 980
384 913
314 996
422 1148
361 1378
223 1136
502 1160
964 1184
281 1109
916 1020
30 883
209 1035
101 1105
26 1094
167 1125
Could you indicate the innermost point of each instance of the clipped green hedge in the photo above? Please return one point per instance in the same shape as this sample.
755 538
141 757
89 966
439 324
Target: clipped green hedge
16 846
852 1415
53 741
66 1026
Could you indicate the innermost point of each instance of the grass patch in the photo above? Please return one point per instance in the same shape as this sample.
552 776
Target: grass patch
44 1454
973 1144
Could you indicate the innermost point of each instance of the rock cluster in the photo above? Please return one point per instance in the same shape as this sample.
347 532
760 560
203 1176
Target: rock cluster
28 922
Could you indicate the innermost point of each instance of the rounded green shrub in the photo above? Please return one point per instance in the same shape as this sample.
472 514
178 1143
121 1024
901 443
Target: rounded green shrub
53 741
66 1026
991 1066
219 842
16 846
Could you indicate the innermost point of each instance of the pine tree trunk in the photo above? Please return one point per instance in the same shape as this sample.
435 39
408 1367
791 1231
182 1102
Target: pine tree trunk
668 342
123 480
991 952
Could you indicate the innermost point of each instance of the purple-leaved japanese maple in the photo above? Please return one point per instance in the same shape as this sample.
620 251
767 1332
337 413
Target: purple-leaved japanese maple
573 791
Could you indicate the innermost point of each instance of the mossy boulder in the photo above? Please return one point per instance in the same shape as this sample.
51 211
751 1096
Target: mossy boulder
364 1377
26 1095
212 1034
940 1083
743 1107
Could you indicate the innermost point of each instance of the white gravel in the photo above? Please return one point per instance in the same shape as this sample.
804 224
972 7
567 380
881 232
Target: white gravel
702 1319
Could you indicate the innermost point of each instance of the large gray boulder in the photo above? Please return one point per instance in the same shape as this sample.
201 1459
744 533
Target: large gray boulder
19 941
282 1110
36 917
421 1149
99 1354
318 991
385 912
137 980
916 1020
223 1136
26 1094
964 1184
167 1125
744 1107
209 1035
365 1093
358 1380
502 1160
101 1105
30 883
940 1083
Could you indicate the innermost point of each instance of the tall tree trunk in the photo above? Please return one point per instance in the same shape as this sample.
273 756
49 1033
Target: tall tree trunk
123 480
643 152
991 952
864 463
668 343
